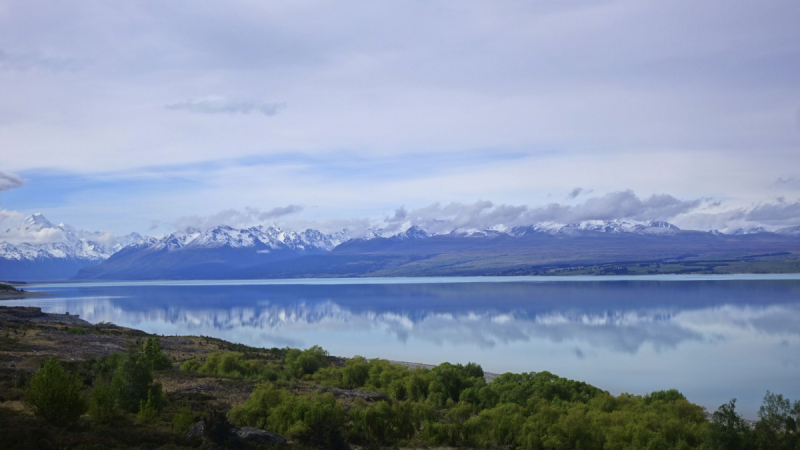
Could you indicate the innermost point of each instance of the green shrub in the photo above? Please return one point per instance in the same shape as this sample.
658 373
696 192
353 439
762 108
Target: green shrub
383 423
54 395
256 410
133 379
191 365
306 362
154 355
103 406
234 365
76 330
183 420
355 372
151 408
317 421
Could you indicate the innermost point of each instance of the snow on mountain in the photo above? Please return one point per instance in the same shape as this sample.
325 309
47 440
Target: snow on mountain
597 226
36 237
791 231
404 232
751 230
268 237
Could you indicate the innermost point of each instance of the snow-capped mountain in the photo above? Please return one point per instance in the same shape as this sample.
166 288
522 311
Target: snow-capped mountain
35 248
59 241
271 237
407 231
60 251
791 231
601 226
211 253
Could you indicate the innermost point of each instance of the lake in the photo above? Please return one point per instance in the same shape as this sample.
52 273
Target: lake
713 338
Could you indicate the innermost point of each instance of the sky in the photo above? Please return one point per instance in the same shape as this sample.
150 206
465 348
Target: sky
151 116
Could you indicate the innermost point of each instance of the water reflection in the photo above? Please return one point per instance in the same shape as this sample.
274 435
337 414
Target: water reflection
619 330
711 339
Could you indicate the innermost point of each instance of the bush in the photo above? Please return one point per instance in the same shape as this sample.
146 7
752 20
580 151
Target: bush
191 365
150 409
257 408
76 330
316 421
355 372
299 363
383 423
234 365
103 406
133 379
154 355
183 420
54 395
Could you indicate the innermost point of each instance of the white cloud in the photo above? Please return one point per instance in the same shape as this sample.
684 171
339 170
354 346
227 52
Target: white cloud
234 218
216 104
485 214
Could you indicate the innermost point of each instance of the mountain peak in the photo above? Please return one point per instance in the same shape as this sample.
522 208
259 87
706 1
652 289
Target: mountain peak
38 220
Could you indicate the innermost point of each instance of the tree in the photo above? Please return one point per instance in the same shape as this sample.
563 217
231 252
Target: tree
54 395
728 431
777 425
133 378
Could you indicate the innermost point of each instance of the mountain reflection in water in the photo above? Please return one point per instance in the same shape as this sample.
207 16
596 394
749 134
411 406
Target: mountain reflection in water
711 339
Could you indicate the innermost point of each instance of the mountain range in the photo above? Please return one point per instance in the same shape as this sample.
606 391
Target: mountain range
55 251
263 251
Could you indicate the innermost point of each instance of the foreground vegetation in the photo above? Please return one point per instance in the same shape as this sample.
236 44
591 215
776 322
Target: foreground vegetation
152 391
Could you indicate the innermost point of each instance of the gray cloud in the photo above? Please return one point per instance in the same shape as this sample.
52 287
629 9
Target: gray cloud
280 211
574 193
780 212
216 104
18 61
10 181
485 214
789 182
235 218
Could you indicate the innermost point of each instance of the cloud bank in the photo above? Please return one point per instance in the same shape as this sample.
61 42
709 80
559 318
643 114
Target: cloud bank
10 181
235 218
216 104
485 214
481 215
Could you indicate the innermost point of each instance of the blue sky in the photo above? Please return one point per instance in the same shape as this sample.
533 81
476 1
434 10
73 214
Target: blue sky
140 116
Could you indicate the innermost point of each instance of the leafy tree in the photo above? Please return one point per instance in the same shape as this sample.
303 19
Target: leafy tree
299 363
103 406
183 420
383 423
54 395
133 378
777 424
355 372
256 410
154 355
728 431
191 365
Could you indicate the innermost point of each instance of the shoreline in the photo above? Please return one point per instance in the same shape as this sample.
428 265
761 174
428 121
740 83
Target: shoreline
423 279
23 295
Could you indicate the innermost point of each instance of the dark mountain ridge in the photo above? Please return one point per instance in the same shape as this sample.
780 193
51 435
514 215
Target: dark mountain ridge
415 252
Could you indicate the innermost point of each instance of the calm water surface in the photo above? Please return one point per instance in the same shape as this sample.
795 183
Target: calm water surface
713 338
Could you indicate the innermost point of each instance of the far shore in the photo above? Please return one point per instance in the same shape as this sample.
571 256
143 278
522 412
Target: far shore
22 294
